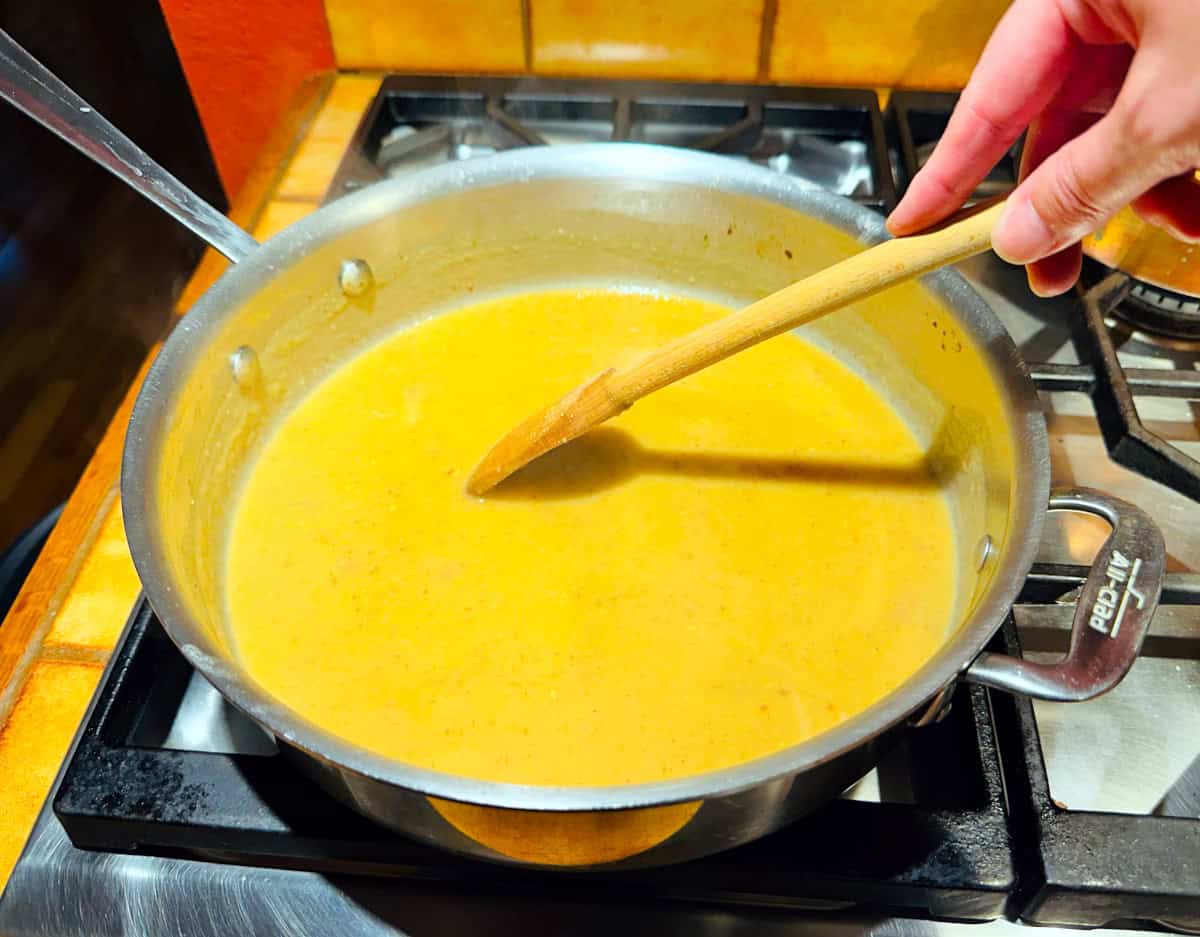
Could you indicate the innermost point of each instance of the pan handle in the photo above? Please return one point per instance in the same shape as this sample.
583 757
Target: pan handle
31 87
1112 615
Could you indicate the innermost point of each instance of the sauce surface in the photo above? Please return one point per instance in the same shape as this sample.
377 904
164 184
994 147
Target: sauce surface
737 563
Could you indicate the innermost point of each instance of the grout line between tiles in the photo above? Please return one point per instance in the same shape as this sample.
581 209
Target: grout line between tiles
527 32
10 693
766 38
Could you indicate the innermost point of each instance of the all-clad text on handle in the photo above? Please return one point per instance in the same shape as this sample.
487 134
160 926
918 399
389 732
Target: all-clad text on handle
1112 616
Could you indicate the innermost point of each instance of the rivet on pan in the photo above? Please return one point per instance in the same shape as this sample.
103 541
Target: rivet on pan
247 372
355 277
984 551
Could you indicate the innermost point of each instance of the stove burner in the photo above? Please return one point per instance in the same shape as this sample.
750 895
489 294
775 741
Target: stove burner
1160 311
1159 316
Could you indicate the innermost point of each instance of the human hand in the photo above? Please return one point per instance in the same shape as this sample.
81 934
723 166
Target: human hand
1110 93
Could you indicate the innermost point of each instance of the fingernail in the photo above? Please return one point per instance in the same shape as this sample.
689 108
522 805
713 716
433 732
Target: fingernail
1045 289
1020 235
1035 285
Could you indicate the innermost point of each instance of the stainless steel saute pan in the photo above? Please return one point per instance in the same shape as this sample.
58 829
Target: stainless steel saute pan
290 310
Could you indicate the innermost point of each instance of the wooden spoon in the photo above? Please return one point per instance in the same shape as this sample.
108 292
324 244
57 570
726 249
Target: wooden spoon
615 390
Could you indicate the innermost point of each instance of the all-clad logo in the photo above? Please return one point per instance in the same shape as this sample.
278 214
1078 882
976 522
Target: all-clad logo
1108 611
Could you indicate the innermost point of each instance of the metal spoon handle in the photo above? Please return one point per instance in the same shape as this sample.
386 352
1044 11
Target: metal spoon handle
31 87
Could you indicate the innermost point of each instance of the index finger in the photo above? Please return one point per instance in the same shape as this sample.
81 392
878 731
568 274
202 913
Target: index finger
1022 66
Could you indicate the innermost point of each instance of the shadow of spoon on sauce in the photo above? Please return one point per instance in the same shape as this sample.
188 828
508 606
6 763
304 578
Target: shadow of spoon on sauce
607 457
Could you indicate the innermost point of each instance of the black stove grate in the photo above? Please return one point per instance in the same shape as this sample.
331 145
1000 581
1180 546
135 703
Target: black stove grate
915 122
833 137
944 852
1114 390
1128 440
1092 869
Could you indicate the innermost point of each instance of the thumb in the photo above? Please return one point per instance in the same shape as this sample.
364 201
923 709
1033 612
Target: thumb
1075 190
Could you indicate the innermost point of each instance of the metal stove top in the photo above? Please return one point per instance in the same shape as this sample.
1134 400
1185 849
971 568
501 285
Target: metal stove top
831 138
1131 758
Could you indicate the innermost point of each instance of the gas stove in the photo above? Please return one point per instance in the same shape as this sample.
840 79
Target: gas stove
175 814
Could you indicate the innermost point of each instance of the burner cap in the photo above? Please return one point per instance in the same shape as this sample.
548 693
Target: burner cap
1159 310
1165 299
1150 309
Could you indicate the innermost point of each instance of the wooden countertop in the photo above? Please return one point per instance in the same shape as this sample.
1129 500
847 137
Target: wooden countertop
63 626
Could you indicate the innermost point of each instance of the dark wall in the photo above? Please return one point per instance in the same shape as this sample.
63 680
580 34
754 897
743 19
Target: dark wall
89 271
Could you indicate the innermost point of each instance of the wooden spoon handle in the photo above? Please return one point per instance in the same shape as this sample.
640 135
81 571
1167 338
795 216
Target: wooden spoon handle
852 279
615 390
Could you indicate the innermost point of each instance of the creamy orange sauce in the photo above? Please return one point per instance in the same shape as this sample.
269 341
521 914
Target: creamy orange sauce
737 563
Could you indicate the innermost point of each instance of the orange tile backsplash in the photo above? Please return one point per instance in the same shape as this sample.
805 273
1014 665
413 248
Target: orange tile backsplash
714 39
872 43
416 35
244 63
881 43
